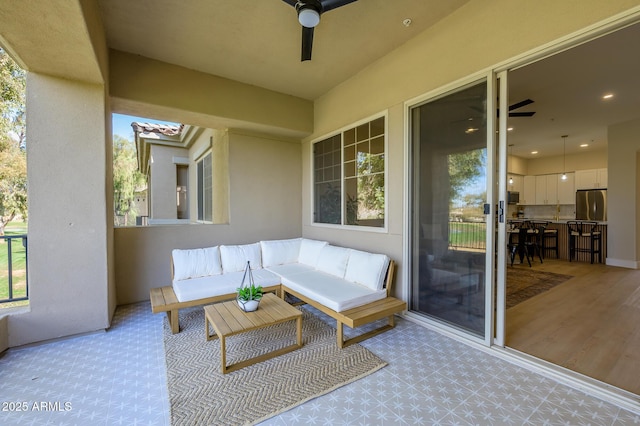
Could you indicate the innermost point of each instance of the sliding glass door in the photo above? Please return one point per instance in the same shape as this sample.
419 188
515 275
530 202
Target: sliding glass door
452 233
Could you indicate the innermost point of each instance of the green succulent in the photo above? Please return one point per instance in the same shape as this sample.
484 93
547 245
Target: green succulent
251 292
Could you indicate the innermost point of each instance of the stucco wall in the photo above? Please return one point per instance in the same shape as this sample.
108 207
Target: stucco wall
265 200
69 275
163 183
226 103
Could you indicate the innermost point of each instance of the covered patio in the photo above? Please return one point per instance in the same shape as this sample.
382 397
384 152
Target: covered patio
89 281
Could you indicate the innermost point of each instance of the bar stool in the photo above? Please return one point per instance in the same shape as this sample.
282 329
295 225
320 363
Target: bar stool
550 235
580 231
533 241
514 244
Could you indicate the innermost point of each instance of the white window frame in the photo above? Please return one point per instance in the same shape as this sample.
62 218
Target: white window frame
342 225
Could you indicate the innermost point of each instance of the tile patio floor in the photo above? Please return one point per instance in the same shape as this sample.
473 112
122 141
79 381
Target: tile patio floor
118 378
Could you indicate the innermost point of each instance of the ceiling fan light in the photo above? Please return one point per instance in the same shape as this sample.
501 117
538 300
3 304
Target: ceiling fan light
308 17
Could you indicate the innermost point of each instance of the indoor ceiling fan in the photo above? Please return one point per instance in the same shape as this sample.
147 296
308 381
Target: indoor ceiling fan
309 12
518 105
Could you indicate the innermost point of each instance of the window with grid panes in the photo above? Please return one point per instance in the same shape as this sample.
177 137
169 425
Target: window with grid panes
358 198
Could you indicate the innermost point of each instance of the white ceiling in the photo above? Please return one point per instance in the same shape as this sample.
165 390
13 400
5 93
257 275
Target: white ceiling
567 89
259 42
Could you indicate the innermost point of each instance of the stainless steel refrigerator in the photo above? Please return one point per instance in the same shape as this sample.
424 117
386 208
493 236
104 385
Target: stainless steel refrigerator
591 204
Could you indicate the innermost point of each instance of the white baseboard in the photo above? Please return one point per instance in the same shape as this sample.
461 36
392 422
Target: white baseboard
623 263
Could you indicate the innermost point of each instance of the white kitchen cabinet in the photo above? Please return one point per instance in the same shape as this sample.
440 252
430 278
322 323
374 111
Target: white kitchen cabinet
517 185
547 189
528 194
567 189
591 179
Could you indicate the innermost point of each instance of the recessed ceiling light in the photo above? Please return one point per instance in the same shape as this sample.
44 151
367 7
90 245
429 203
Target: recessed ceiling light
608 96
584 145
406 22
509 129
471 130
534 152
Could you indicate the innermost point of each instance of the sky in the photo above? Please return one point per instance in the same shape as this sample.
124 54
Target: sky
122 124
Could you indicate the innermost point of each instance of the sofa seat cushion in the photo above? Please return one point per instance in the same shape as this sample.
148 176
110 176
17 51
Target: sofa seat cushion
290 269
331 291
218 285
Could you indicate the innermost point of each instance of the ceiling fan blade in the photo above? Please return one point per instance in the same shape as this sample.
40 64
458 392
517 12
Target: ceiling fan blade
307 43
520 104
521 114
328 5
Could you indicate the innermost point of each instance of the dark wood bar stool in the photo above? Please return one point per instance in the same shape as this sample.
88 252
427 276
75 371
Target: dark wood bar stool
550 242
581 232
533 241
524 240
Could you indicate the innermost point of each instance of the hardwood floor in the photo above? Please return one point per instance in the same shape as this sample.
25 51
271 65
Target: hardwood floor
589 324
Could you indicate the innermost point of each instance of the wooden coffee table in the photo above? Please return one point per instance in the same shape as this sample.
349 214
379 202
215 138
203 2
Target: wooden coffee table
228 319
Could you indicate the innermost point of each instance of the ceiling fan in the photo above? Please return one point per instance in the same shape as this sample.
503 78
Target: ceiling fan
309 12
518 105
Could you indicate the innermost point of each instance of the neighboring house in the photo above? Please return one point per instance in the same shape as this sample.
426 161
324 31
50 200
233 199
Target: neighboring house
179 164
273 139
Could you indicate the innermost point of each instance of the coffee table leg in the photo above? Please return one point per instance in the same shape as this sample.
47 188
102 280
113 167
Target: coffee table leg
223 354
299 331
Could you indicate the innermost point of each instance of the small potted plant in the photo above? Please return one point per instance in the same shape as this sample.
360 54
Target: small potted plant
249 294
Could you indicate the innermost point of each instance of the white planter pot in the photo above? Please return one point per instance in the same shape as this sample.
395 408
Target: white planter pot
249 306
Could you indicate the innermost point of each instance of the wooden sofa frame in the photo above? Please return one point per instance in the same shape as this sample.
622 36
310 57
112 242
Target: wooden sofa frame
163 299
360 315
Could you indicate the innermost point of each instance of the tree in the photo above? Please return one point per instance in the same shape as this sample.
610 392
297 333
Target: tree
13 161
127 180
464 169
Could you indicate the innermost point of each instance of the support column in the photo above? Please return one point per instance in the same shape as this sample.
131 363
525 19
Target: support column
71 289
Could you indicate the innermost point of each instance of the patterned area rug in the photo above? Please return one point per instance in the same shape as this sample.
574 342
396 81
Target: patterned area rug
523 283
200 394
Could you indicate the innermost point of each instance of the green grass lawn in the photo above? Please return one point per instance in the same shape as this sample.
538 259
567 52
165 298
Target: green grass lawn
467 234
18 263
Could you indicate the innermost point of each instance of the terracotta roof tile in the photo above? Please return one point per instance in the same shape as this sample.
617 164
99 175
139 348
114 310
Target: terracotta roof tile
164 129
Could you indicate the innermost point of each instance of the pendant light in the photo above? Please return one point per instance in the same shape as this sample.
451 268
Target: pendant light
564 157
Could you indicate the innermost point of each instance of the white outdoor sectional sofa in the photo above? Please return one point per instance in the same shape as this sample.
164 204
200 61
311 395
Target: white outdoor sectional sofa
350 285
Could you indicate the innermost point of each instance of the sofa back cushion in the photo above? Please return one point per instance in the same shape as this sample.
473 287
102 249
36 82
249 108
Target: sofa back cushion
333 260
368 269
280 252
234 258
195 263
310 251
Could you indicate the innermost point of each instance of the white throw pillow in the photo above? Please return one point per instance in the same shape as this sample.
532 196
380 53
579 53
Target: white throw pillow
195 263
333 260
367 269
310 251
280 252
234 258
